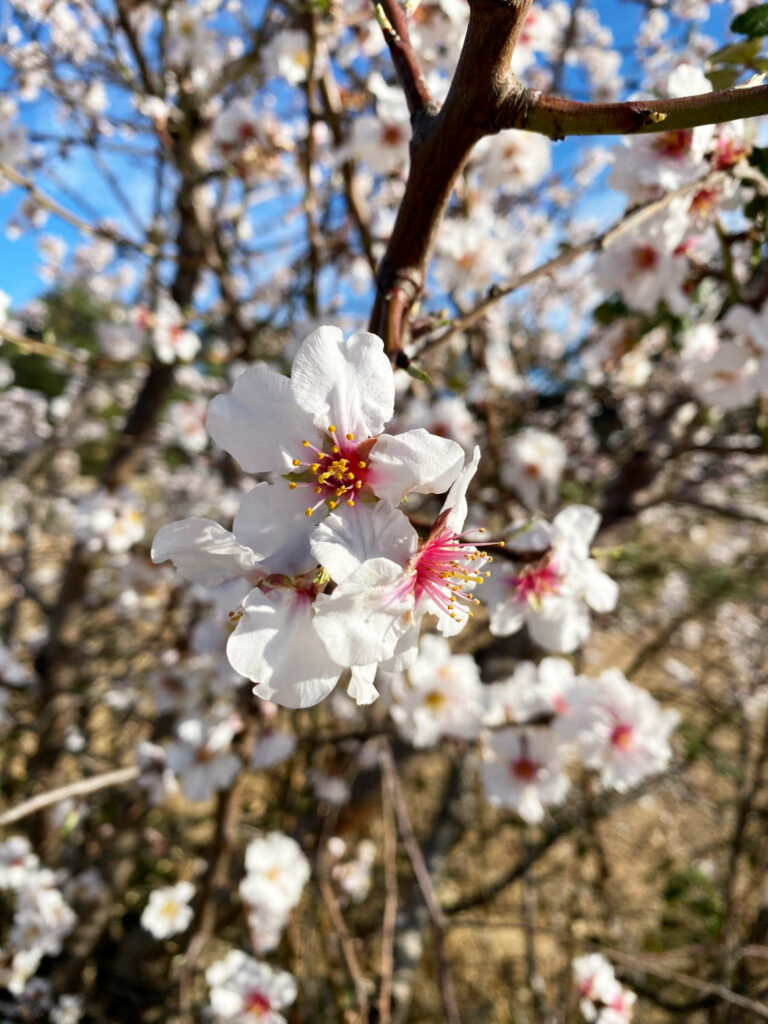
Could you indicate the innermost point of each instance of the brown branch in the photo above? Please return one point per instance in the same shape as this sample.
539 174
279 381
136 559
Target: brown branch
347 943
557 117
421 872
83 787
440 146
391 895
394 25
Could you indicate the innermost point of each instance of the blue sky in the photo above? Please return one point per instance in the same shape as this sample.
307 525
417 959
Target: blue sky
19 257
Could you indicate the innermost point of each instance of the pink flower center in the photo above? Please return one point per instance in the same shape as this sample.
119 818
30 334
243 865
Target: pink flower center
256 1002
645 257
728 152
337 475
391 135
533 583
524 769
704 202
674 144
622 736
445 569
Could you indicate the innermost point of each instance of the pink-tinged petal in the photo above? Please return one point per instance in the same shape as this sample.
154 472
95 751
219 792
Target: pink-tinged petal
365 616
361 688
347 384
203 551
258 422
272 520
413 461
342 543
275 646
456 498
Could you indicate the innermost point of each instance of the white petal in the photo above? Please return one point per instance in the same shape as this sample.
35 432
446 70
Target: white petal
275 646
272 520
347 384
259 423
577 524
456 498
202 551
413 461
343 542
506 618
600 591
361 688
561 633
362 620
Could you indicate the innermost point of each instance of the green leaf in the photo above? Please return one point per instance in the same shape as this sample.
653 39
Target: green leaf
740 54
723 78
414 371
753 22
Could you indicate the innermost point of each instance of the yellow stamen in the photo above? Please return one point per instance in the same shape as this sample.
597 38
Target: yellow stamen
296 462
331 429
308 512
350 437
292 486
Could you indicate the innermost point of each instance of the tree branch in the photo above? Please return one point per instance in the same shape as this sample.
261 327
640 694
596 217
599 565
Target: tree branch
558 117
394 25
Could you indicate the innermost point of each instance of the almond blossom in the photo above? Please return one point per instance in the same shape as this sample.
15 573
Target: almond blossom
621 731
376 610
440 696
245 990
523 770
552 594
168 911
602 998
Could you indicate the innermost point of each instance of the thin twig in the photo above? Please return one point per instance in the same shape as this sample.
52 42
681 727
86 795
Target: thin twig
391 897
421 872
83 787
347 943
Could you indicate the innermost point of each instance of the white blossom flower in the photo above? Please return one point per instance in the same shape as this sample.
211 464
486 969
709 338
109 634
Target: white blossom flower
522 769
276 871
552 596
244 990
202 758
168 911
602 998
620 730
533 464
376 610
441 695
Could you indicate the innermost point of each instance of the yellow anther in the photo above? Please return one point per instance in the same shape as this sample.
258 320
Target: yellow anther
362 465
305 443
358 484
331 505
351 502
475 601
350 437
308 512
318 490
502 544
335 450
315 467
296 462
331 429
350 476
292 486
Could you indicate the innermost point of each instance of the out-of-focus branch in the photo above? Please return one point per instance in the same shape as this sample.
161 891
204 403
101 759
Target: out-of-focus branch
627 223
389 917
421 871
72 791
47 203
